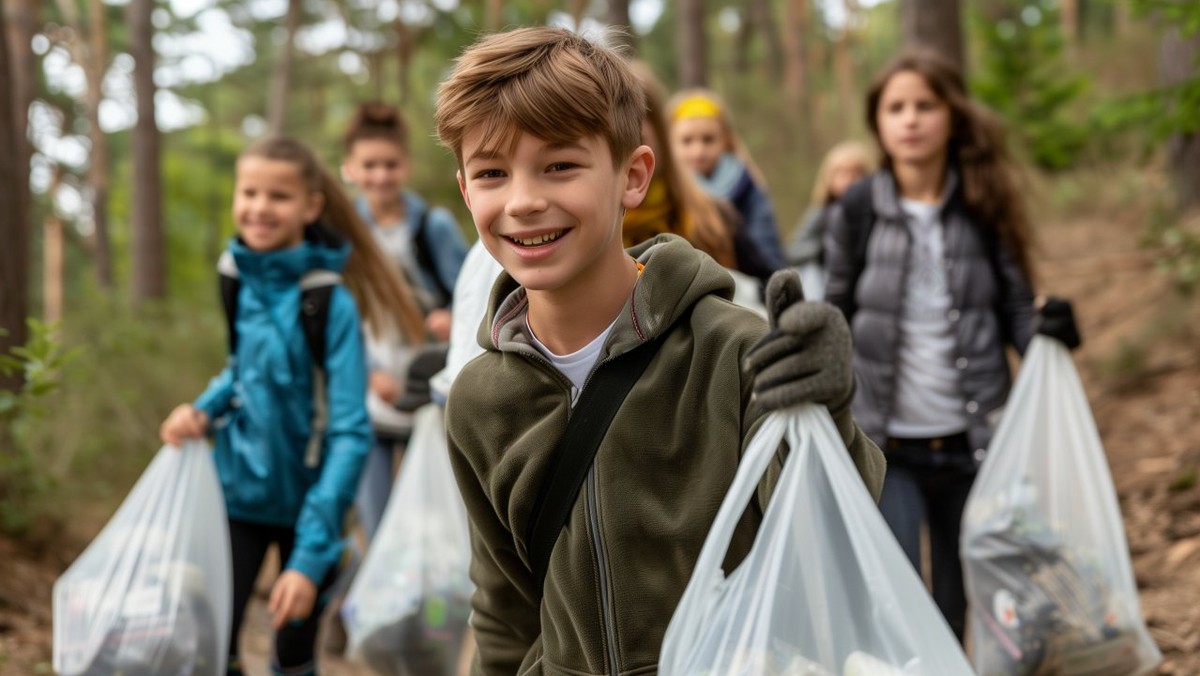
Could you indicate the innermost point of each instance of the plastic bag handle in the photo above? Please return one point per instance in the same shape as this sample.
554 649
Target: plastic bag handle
704 588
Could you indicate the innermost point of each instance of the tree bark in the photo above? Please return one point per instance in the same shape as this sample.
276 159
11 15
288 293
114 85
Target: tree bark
89 49
281 78
795 37
843 67
149 249
1177 64
404 58
14 200
1068 21
693 44
493 11
759 22
935 24
617 17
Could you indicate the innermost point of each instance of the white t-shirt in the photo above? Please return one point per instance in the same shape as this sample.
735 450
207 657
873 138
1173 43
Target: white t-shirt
929 399
577 365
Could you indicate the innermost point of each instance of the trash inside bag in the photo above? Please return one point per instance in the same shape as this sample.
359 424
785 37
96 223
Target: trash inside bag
407 609
1045 560
825 589
151 595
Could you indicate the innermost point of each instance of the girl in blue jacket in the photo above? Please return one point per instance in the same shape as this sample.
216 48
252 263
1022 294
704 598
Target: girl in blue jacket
291 436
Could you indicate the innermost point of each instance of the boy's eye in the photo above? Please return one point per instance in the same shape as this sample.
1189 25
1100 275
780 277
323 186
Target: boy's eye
562 166
488 173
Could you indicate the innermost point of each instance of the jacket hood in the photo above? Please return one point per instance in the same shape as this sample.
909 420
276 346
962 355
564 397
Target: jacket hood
675 277
321 249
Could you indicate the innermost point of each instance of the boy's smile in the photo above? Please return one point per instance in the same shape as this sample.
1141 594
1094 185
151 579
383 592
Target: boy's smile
550 213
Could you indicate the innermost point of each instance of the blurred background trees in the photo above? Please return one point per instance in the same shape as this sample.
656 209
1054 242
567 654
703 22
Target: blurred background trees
124 118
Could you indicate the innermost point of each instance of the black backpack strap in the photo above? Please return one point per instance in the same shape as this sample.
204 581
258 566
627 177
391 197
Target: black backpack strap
858 208
424 256
316 292
575 451
316 295
230 284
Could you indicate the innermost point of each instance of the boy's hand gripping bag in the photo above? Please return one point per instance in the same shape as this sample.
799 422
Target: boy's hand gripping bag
1044 554
152 594
825 589
407 609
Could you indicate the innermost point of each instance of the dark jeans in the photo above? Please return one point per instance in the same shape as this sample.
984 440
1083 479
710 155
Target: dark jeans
294 643
927 483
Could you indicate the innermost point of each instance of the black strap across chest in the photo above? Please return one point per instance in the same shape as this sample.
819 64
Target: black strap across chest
576 450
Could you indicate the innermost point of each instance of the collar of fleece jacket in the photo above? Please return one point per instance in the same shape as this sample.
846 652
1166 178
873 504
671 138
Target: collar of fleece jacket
673 280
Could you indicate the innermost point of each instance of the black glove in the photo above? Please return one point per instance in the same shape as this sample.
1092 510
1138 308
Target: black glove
806 356
1057 320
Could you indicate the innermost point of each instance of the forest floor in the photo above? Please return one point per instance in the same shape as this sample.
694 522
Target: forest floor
1140 367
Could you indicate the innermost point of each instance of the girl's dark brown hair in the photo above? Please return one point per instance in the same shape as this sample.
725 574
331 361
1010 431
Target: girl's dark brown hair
383 297
976 149
376 120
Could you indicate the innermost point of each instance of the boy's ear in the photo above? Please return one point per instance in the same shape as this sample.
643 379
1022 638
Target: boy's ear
637 177
462 188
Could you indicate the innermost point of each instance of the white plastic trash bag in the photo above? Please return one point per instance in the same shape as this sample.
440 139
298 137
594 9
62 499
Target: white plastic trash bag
1044 553
407 609
151 595
825 589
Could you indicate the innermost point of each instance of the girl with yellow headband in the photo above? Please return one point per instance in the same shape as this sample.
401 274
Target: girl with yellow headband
702 137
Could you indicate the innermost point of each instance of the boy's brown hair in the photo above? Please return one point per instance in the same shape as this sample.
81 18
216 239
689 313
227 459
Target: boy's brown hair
548 82
376 120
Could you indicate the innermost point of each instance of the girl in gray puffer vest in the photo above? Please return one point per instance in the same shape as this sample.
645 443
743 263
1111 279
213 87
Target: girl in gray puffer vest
928 260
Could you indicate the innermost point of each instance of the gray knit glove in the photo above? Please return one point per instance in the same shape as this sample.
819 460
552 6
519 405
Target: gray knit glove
806 356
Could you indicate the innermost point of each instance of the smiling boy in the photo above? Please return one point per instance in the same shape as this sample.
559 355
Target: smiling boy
546 126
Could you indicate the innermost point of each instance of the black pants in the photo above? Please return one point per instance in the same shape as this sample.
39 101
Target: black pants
295 642
927 483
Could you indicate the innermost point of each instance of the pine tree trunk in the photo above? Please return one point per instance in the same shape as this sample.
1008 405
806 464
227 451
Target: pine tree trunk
617 17
493 12
14 199
693 44
281 79
98 177
843 68
1068 21
796 70
1178 63
149 250
936 24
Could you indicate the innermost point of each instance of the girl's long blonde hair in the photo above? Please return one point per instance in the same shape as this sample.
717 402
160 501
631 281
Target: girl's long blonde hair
383 296
846 151
723 116
695 211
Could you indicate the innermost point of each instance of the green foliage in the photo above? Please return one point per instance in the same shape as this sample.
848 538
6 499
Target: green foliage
1185 481
1163 111
1024 76
1181 259
41 363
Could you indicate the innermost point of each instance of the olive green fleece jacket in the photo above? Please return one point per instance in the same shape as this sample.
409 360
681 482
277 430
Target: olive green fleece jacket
622 561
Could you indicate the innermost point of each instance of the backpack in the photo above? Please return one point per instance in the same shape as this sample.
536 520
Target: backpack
316 293
424 254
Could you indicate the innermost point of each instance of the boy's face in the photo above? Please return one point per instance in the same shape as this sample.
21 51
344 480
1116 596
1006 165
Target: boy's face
550 213
379 167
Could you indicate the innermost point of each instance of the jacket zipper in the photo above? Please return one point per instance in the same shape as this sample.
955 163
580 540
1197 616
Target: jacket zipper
602 569
608 613
606 606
